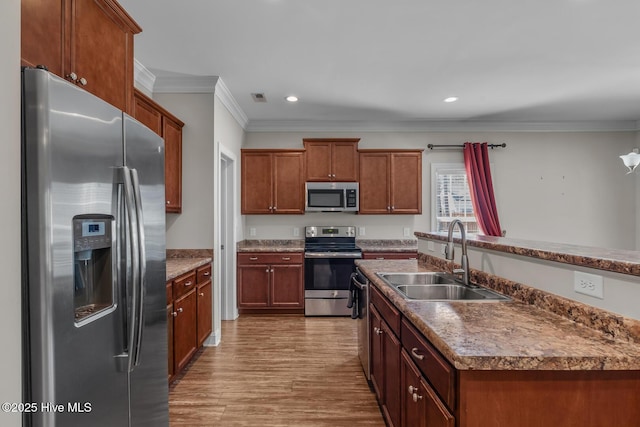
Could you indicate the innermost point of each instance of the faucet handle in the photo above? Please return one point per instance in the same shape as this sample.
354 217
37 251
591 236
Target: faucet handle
449 251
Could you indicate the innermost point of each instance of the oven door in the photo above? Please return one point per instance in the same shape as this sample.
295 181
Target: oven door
327 277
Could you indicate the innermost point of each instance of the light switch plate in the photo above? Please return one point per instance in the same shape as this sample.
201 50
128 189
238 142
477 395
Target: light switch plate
252 231
361 231
406 232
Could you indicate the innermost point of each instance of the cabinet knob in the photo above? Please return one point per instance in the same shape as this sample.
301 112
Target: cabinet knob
393 208
174 314
333 175
82 81
388 208
416 397
201 294
168 202
412 389
414 353
377 330
329 175
72 76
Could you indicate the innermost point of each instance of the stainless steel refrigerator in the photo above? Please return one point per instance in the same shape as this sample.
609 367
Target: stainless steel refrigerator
95 337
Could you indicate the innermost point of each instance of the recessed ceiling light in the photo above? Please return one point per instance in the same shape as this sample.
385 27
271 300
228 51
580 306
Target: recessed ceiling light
451 99
292 98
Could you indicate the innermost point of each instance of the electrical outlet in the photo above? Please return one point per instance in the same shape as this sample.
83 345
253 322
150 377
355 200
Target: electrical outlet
407 232
588 284
361 231
296 232
431 246
252 231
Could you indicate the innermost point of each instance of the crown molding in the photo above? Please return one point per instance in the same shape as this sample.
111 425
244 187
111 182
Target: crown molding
185 84
224 95
143 78
438 126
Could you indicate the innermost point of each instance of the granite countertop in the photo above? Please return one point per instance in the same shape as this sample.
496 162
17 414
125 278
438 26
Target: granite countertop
274 245
505 335
387 245
180 261
617 260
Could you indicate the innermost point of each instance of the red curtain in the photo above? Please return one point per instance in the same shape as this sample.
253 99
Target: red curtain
476 162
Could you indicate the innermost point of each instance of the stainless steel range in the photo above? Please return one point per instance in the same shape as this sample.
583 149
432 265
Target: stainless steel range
330 253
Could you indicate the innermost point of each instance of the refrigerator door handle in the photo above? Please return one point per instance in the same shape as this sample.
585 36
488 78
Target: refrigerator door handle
134 242
142 264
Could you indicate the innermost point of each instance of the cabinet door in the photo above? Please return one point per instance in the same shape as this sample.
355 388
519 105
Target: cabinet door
435 413
287 286
146 113
412 408
391 362
344 161
256 183
377 367
184 329
170 316
288 183
318 161
253 286
374 183
205 306
42 23
172 133
406 183
100 50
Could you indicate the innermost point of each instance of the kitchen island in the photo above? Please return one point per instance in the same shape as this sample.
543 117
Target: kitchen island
498 363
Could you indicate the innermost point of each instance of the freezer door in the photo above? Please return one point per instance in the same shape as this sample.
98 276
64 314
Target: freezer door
72 143
148 382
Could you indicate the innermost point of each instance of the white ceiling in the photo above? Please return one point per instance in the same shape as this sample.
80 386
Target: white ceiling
528 62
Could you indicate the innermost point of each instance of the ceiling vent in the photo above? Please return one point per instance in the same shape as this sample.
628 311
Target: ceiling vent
259 97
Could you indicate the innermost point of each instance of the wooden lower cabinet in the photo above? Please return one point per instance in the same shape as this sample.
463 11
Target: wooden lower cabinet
385 362
420 405
189 316
270 281
184 331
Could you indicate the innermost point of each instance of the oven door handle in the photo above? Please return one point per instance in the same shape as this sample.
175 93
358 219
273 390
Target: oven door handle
354 255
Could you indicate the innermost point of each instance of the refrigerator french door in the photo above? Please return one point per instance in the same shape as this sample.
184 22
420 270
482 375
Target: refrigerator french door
93 261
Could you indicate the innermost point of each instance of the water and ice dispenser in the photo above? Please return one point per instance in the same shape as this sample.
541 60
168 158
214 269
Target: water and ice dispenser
93 266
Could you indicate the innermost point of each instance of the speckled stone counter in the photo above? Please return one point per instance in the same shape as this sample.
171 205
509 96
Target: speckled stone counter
270 246
387 245
180 261
617 260
507 335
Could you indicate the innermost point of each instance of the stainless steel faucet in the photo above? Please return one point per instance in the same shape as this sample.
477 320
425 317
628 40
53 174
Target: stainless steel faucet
449 251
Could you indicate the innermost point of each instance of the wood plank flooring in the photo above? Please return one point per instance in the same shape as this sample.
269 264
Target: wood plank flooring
273 371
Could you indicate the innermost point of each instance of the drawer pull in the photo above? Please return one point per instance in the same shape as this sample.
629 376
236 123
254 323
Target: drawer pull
416 397
414 353
286 258
253 258
206 273
380 257
187 284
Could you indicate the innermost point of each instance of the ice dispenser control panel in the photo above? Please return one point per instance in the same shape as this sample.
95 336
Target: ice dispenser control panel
91 234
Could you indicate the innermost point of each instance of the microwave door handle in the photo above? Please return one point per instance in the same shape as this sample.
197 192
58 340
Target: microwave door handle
142 265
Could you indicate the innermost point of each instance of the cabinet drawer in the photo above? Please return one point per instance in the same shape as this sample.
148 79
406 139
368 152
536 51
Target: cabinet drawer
184 284
438 372
270 258
169 292
203 274
388 312
390 255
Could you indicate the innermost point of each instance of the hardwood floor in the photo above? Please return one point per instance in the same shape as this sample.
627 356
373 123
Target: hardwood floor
277 371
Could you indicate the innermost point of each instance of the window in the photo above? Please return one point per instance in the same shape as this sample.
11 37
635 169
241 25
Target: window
450 197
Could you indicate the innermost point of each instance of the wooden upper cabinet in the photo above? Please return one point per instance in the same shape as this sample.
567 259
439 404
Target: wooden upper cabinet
390 182
88 42
332 159
155 117
272 182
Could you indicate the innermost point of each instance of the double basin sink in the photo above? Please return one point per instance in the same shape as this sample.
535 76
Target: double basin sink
437 286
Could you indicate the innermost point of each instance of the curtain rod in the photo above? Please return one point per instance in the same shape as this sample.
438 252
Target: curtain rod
492 146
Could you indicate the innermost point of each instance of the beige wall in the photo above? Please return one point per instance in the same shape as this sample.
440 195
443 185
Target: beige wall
10 327
552 186
193 228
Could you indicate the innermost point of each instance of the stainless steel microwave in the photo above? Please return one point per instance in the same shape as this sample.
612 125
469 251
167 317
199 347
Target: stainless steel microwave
331 197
